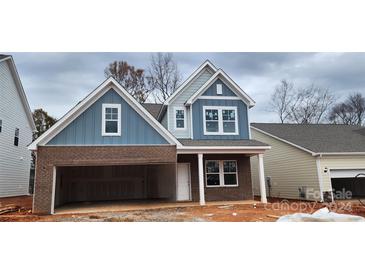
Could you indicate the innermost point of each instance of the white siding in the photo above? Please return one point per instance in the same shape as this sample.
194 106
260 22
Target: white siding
180 101
289 168
14 160
339 162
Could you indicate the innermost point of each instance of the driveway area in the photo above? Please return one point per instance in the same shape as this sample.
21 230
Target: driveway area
242 211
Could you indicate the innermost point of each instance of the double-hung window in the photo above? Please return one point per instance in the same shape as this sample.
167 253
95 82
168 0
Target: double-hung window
220 173
220 120
111 120
16 137
180 118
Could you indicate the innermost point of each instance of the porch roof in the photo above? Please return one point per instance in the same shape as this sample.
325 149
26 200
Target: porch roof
237 142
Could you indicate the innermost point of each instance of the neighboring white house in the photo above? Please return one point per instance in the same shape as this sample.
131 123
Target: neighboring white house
16 130
311 162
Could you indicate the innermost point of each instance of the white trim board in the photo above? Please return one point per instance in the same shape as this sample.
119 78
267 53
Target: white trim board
207 63
221 75
92 98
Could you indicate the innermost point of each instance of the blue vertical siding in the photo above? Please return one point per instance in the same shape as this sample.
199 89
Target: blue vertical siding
212 90
86 129
198 121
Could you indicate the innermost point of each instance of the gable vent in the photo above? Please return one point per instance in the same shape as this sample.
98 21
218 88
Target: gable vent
219 89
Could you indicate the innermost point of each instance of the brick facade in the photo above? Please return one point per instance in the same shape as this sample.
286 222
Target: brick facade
49 157
244 189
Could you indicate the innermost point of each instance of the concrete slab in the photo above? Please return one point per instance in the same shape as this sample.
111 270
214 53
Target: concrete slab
120 206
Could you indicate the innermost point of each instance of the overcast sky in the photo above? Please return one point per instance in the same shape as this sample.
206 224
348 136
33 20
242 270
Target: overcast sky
57 81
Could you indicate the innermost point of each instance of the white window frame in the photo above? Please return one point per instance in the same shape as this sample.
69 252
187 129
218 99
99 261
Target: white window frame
221 173
103 120
220 120
175 122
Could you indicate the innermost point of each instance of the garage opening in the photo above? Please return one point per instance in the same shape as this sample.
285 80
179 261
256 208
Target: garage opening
115 183
348 184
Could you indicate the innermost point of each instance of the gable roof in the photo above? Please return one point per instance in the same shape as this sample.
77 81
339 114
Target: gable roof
153 109
92 98
220 74
317 138
206 64
20 89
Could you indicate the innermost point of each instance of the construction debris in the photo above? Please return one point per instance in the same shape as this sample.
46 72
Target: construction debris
8 209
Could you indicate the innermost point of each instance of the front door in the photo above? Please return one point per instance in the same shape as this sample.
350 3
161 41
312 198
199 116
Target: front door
183 182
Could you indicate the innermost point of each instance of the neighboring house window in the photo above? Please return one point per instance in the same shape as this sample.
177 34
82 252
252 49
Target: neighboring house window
221 173
16 137
219 89
180 118
1 125
111 121
220 120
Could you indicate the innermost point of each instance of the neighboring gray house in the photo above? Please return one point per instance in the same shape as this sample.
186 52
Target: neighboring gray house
194 147
312 161
16 130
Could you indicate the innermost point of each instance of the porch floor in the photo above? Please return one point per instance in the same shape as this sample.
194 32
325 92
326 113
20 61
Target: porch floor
120 206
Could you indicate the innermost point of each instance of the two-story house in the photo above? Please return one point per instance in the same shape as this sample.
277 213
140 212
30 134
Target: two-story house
194 147
16 132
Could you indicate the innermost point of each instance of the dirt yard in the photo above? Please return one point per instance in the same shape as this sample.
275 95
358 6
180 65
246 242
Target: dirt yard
211 213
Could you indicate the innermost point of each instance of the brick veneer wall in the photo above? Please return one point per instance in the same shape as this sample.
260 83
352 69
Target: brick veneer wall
244 190
50 157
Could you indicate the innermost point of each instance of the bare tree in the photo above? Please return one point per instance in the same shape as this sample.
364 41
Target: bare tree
281 100
310 105
164 76
132 79
350 112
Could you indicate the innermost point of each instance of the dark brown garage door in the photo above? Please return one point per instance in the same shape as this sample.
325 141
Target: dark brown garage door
122 182
354 185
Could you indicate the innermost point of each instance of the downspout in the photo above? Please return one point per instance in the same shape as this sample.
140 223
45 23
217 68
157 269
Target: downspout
319 175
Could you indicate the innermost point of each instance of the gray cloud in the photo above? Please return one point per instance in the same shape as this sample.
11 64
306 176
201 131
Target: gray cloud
57 81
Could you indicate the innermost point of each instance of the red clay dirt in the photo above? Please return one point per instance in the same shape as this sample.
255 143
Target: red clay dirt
216 213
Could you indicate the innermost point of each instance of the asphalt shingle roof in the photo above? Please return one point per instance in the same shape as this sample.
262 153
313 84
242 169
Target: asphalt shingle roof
319 138
153 109
241 142
3 56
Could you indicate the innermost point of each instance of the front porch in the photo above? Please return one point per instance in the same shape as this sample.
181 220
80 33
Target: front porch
221 175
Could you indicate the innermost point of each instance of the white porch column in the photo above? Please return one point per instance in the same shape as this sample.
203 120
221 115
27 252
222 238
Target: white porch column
201 179
262 178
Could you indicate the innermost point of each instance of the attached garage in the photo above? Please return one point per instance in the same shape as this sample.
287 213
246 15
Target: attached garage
348 183
110 183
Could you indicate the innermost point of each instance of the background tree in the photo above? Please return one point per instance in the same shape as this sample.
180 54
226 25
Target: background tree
42 121
308 105
164 76
132 79
350 112
281 100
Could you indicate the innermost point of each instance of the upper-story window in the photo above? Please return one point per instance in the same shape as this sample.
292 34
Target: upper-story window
180 118
1 125
111 120
16 137
220 120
